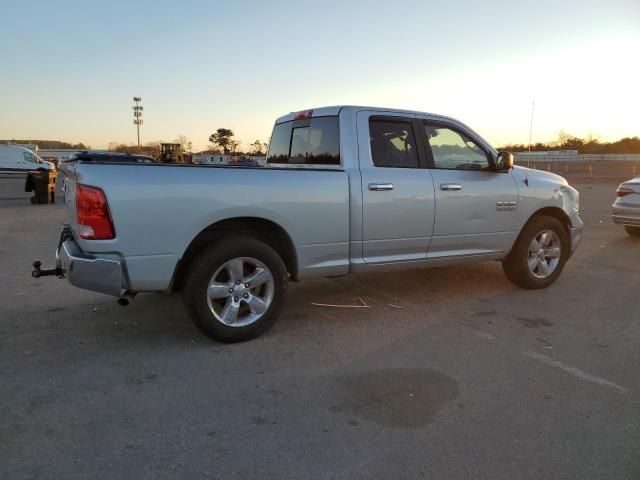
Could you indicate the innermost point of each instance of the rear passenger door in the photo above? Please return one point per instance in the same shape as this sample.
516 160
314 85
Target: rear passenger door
398 195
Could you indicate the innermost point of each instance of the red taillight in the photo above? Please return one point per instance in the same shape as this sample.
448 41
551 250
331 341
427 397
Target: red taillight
304 115
94 219
622 192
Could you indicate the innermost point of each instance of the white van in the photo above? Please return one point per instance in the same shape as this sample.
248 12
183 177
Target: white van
15 159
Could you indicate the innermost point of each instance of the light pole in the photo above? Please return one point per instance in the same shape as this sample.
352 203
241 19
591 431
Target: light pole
533 107
137 116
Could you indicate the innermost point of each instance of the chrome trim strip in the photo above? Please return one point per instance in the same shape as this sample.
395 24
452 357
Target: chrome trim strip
380 187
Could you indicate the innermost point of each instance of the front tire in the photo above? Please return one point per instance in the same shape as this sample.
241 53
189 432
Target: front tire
234 291
633 231
539 254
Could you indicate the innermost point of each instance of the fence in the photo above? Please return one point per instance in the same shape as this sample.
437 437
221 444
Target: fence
578 167
524 157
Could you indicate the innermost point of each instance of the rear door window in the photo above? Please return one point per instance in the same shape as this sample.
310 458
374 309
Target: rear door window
306 142
393 143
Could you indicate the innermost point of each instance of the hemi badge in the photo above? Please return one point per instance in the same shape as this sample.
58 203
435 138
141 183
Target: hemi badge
506 206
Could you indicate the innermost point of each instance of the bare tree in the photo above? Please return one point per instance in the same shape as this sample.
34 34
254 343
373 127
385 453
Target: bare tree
563 137
257 148
184 142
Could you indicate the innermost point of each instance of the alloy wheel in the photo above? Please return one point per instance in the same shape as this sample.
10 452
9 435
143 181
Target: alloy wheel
544 253
240 292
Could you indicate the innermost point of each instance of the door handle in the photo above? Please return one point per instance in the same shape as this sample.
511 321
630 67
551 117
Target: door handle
450 187
380 187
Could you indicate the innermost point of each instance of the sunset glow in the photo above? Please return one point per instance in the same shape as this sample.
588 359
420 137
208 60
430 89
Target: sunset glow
69 72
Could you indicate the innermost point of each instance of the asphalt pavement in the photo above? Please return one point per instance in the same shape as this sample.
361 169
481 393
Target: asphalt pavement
452 373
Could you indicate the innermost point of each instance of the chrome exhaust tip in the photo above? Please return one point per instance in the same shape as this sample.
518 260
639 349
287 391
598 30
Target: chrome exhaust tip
125 299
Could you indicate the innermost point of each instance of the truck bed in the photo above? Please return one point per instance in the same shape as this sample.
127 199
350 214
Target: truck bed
158 209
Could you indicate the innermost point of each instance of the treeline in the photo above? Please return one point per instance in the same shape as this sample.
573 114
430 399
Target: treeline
48 144
589 145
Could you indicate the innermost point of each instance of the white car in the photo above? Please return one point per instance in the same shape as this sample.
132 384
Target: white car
14 159
626 208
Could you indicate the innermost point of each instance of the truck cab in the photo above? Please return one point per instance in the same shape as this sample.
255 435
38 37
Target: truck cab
427 186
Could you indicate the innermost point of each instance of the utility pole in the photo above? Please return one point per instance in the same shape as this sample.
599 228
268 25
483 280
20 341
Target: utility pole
533 106
137 116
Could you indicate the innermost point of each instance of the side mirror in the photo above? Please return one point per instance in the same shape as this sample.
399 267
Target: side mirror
504 162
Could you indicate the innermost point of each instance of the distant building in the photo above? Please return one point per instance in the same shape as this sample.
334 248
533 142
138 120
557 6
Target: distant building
211 159
205 158
248 160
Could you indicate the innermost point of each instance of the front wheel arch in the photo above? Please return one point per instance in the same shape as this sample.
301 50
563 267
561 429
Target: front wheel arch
553 212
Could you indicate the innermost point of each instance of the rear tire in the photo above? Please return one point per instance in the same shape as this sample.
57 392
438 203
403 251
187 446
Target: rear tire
633 231
539 254
234 290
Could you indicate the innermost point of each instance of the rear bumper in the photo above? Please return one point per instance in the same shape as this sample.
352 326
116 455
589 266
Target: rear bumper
83 270
626 215
576 236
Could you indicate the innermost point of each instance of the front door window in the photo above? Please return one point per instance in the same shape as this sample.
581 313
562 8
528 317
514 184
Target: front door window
455 151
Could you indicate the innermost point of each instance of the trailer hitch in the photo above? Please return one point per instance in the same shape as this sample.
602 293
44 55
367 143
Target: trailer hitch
45 272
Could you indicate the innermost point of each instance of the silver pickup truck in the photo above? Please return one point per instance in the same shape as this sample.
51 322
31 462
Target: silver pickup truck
346 189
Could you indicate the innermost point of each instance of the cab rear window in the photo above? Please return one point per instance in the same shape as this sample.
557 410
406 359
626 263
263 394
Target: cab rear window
314 141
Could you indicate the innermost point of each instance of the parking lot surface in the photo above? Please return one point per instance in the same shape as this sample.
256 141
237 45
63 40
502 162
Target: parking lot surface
452 373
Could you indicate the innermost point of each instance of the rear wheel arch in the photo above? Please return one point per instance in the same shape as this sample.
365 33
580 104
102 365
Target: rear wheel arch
235 290
260 229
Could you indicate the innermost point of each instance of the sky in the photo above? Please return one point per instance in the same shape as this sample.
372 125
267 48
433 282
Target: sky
69 69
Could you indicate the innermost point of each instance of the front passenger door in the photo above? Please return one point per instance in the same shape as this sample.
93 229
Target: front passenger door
475 205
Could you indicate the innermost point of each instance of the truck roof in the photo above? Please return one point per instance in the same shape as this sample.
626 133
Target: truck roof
336 109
